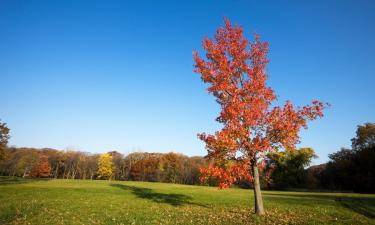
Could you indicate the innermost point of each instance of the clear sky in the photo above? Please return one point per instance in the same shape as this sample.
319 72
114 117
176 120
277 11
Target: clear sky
115 75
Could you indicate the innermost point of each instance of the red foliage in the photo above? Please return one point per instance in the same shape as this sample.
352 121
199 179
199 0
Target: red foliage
145 169
41 168
235 70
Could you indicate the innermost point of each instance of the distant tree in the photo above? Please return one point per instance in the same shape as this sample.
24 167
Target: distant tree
26 163
190 172
235 70
314 176
289 167
82 171
105 170
353 169
340 170
146 169
92 165
54 158
75 164
4 137
365 137
42 168
119 165
364 178
171 165
130 161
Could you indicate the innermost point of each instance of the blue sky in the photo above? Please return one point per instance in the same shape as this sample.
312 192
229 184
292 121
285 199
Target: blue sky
115 75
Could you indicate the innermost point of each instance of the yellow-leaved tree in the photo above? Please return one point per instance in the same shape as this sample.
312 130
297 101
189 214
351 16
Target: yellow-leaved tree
105 170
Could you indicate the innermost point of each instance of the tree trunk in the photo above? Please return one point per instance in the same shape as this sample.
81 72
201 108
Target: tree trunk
57 171
64 172
259 210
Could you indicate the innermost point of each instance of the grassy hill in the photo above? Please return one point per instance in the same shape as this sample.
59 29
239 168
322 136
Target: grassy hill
24 201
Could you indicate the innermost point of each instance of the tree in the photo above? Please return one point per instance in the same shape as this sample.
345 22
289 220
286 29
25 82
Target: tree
314 176
145 169
92 165
26 163
105 170
129 161
41 168
4 137
190 171
365 137
171 166
237 78
353 169
71 164
340 170
289 167
119 165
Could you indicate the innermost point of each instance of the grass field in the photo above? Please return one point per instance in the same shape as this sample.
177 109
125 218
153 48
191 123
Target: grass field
117 202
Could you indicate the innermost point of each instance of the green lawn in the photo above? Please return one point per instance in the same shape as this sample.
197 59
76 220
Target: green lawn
117 202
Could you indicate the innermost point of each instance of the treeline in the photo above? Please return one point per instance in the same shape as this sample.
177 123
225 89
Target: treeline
140 166
347 170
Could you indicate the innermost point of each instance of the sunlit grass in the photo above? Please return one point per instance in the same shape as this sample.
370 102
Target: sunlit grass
117 202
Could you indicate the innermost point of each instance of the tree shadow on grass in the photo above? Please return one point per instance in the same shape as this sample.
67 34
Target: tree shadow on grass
360 205
12 180
17 180
301 196
147 193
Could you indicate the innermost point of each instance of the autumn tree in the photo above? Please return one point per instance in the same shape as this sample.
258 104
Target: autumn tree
171 166
4 137
105 170
235 70
26 163
129 161
42 168
92 165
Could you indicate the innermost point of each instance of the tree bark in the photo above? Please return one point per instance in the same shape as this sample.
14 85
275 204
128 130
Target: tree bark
259 210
